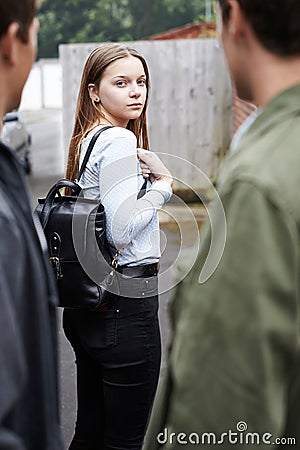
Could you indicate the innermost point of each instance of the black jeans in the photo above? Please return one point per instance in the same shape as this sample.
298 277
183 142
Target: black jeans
118 353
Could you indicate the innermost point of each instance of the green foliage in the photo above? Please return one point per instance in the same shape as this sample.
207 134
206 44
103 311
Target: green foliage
70 21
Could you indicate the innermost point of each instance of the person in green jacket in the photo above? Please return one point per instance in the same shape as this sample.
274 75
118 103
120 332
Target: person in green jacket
233 376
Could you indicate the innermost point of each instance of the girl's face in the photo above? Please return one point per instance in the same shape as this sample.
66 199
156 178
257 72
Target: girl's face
122 91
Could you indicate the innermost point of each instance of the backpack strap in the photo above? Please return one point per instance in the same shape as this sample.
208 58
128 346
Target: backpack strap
89 150
143 189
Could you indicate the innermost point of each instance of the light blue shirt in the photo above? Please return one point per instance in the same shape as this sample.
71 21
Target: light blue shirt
113 174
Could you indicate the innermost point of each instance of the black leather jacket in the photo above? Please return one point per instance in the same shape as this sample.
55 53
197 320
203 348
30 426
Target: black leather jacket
28 357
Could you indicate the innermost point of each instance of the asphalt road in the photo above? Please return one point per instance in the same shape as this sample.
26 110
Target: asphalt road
178 235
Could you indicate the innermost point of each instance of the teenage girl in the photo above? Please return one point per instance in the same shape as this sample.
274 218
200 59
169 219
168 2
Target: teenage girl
118 347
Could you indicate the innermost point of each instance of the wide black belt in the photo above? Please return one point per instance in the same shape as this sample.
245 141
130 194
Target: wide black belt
142 271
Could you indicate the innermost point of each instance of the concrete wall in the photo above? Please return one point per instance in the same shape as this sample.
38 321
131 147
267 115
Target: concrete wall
190 104
43 88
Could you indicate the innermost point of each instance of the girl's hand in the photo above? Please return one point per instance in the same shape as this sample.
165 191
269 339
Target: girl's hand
153 167
146 171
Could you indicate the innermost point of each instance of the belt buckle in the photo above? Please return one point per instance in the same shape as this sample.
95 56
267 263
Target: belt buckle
115 261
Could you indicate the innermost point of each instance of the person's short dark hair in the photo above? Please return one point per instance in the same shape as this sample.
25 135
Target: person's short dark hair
276 23
20 11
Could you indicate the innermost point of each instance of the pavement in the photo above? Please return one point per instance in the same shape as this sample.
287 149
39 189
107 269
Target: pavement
180 223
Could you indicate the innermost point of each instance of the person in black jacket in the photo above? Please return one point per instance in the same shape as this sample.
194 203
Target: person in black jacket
29 417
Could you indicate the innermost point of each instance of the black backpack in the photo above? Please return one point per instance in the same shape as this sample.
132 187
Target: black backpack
75 228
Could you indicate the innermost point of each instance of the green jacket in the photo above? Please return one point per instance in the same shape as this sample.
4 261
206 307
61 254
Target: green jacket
234 360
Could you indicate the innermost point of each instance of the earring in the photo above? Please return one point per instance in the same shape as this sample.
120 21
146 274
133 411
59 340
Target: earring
97 100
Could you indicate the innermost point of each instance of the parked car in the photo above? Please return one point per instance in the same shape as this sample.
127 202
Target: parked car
17 137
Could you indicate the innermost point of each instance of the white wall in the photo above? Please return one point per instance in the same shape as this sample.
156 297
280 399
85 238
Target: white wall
43 88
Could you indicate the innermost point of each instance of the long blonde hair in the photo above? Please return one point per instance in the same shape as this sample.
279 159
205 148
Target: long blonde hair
88 113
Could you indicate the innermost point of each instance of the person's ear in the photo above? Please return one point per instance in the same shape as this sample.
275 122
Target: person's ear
93 92
236 24
9 44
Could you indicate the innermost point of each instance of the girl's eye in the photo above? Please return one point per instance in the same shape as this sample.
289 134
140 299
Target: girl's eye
142 82
121 83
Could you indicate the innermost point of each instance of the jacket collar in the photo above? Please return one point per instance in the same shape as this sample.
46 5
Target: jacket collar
12 176
284 104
